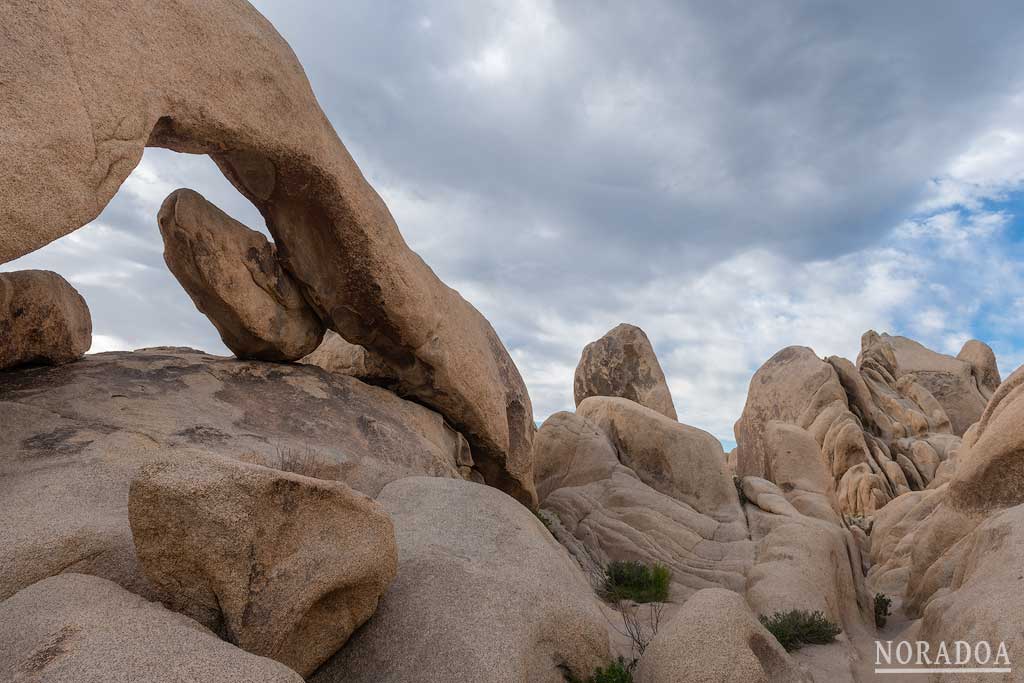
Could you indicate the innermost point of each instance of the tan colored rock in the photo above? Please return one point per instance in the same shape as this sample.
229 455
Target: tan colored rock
43 320
86 428
622 363
601 511
282 565
983 365
715 638
89 85
74 628
483 593
950 380
234 278
682 462
796 463
338 356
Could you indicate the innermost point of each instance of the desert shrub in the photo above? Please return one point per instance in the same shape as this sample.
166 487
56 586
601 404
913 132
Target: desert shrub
307 462
882 612
796 628
738 483
636 581
618 671
543 518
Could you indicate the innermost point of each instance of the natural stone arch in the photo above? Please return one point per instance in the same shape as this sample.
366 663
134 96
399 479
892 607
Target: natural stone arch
85 86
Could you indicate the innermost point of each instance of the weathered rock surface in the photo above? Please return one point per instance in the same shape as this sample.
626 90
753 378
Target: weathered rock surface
715 638
282 565
338 356
622 363
74 437
983 366
43 320
950 380
74 628
483 593
88 85
234 278
604 511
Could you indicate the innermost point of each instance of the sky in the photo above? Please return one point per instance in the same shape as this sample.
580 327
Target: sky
733 178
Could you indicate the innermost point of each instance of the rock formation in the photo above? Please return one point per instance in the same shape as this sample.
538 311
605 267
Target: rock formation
282 565
483 593
91 84
622 363
234 278
85 429
983 366
338 356
82 629
715 637
43 320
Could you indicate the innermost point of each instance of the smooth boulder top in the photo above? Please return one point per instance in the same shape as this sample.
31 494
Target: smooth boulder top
74 628
234 278
43 320
283 565
88 85
622 363
983 363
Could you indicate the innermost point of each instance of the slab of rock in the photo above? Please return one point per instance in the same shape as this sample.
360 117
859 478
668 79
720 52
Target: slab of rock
602 511
234 278
74 628
282 565
983 364
715 638
338 356
483 593
622 363
92 83
74 436
43 320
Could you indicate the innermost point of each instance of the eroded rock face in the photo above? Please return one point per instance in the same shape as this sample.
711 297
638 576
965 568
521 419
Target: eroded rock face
715 638
93 83
622 363
233 276
983 365
483 593
282 565
43 320
85 429
603 511
74 628
338 356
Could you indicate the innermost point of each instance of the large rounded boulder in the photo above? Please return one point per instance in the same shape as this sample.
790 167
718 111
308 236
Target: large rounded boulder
43 320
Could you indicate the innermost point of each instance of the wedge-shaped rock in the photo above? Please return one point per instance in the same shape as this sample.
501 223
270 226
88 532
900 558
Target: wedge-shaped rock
281 565
88 85
74 628
483 594
715 638
340 357
234 278
622 363
43 320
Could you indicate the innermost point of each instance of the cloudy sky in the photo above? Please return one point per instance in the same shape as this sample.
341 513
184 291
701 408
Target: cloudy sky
732 177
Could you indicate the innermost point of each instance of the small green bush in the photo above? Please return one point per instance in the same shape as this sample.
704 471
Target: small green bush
616 672
543 519
796 628
636 581
882 612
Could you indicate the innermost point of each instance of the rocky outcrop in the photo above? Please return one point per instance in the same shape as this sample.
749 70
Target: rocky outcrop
622 363
715 638
91 84
234 278
483 593
603 510
338 356
950 380
282 565
82 629
84 430
879 432
43 320
982 360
